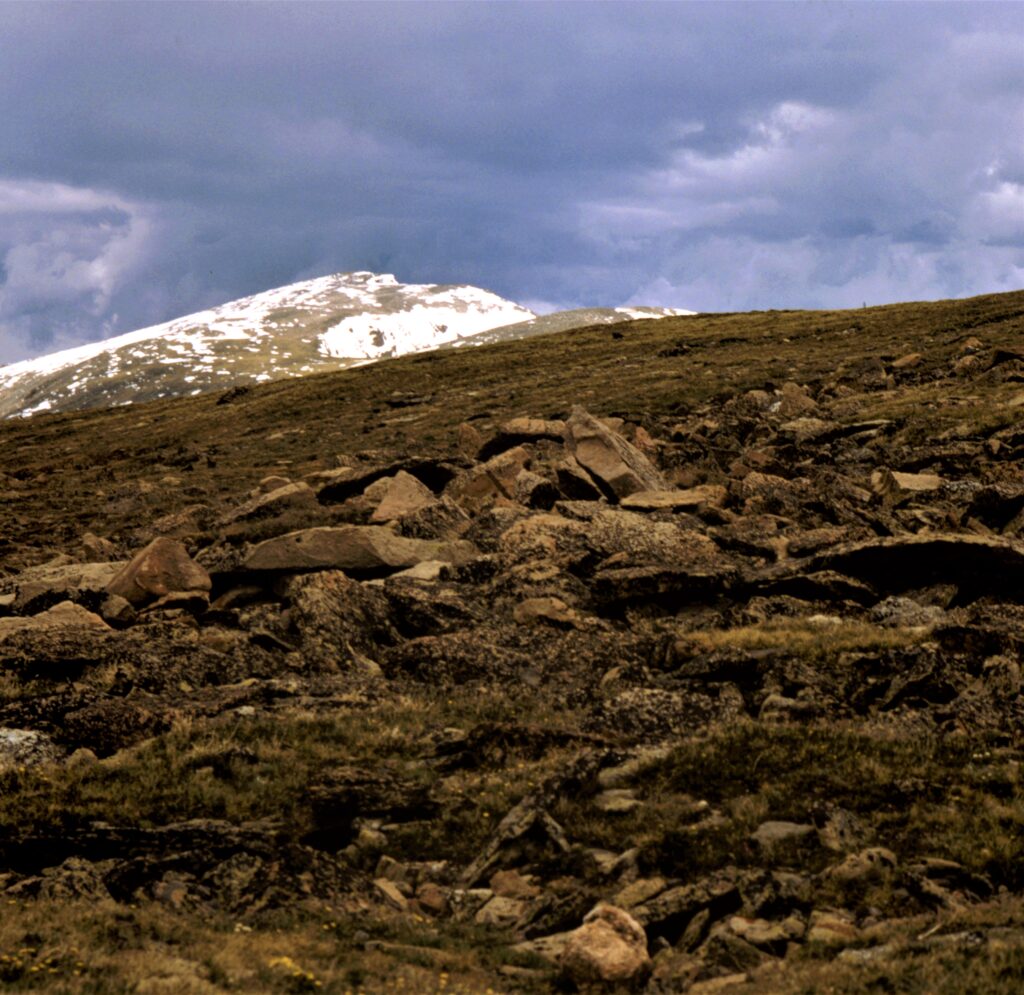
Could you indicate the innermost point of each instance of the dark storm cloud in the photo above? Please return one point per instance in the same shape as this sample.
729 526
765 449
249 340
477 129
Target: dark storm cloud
158 158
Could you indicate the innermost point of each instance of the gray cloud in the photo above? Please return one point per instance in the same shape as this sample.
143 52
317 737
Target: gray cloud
160 158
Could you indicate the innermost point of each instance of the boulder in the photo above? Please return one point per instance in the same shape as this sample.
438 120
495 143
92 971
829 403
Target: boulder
609 948
368 550
163 567
619 468
402 495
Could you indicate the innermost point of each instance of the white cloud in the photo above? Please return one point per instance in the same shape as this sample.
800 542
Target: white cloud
65 255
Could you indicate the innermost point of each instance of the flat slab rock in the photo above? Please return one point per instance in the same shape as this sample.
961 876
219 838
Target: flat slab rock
366 549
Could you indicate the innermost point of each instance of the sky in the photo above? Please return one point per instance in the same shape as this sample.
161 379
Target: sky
157 159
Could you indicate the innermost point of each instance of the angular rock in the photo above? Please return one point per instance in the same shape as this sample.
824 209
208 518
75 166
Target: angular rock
574 482
609 948
163 567
522 819
359 549
535 491
95 549
516 431
391 894
495 480
403 495
892 485
502 912
511 884
619 468
266 503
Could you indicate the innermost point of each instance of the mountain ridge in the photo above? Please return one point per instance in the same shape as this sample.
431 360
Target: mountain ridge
327 323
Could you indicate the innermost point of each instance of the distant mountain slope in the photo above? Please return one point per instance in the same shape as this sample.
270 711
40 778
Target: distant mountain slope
324 324
329 323
562 321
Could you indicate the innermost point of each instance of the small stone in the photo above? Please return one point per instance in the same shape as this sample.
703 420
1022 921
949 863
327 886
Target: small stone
908 362
872 864
501 912
775 833
391 894
512 884
617 801
831 928
548 609
432 898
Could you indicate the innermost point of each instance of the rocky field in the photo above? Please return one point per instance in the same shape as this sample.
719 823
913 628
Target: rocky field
676 656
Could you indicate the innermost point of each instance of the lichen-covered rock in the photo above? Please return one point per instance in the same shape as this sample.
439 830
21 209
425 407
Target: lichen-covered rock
25 748
341 624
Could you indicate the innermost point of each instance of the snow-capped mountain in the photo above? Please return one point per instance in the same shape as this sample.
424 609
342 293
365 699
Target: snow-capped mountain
324 324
